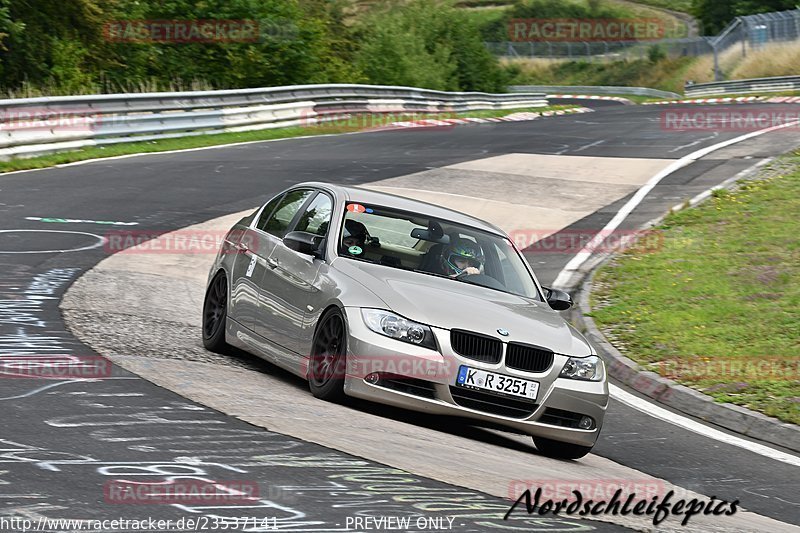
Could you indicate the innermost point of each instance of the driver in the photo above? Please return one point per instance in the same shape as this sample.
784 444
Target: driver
354 237
462 257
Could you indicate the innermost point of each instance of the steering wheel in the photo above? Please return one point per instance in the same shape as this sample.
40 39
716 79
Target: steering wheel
464 274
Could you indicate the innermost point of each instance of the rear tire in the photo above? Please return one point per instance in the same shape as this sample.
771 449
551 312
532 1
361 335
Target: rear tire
215 314
560 450
328 361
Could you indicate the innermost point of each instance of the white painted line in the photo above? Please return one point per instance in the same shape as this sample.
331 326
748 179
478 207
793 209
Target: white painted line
701 429
581 257
178 151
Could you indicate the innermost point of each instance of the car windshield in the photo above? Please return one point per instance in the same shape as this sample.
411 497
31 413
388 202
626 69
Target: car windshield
436 247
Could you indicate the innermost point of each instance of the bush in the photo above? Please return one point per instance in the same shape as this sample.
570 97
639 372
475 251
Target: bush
422 44
655 53
496 30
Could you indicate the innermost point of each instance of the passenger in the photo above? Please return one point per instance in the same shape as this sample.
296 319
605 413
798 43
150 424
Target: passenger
354 237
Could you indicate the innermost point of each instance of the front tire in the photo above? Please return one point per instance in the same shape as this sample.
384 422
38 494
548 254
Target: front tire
328 360
215 314
560 450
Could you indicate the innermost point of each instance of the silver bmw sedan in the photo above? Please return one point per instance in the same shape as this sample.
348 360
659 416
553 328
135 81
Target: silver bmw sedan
401 302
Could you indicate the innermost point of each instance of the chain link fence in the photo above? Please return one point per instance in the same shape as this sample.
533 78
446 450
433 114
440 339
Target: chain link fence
750 32
601 50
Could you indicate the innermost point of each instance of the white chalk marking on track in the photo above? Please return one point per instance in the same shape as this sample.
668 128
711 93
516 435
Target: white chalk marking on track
58 220
696 427
100 241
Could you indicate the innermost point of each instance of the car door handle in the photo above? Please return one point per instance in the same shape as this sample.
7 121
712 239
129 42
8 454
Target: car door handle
243 246
273 263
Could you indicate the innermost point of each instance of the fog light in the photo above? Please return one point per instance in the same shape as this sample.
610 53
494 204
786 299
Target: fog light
586 422
373 378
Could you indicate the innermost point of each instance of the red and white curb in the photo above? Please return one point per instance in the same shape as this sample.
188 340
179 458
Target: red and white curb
591 97
784 100
727 100
449 122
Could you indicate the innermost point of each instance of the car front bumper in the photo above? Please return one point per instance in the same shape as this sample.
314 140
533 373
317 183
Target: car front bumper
427 382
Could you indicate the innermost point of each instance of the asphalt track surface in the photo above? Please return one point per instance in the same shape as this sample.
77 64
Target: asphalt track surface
62 440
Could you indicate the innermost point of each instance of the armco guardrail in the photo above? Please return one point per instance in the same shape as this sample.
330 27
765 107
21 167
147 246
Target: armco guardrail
595 89
749 86
36 126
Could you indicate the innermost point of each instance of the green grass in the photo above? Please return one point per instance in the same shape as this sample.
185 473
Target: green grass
721 290
766 95
357 123
757 93
665 74
675 5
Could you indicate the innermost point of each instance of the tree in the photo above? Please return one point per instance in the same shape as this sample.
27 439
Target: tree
716 14
424 44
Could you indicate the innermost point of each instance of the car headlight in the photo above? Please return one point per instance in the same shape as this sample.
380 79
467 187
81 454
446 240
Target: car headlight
397 327
587 368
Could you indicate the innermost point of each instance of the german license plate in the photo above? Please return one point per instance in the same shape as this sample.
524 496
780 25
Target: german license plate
474 378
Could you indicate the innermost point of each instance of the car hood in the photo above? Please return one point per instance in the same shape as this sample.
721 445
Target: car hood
452 304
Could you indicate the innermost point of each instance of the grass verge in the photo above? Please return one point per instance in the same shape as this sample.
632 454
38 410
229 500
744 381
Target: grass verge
717 306
665 74
345 125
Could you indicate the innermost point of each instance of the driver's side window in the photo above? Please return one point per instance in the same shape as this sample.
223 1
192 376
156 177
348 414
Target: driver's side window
317 216
267 211
284 212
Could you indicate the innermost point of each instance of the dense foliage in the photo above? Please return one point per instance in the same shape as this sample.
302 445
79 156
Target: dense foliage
63 46
60 47
716 14
421 44
497 30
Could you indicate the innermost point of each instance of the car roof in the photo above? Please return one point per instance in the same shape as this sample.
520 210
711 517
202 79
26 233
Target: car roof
370 197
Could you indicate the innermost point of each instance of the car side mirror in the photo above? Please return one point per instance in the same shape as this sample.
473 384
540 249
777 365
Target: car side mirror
558 300
303 242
